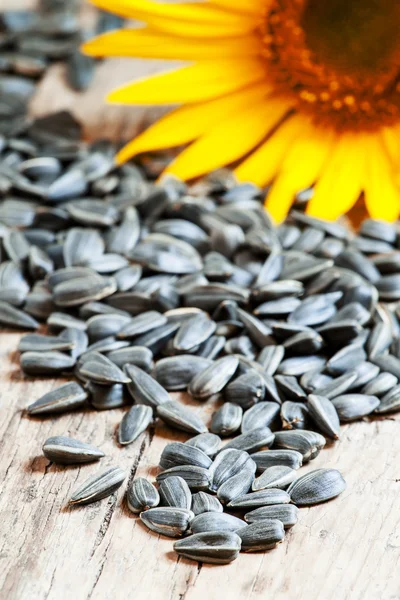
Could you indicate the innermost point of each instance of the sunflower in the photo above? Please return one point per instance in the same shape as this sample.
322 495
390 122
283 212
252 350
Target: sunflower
296 93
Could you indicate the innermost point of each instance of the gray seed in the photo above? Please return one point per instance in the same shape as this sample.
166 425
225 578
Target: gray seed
323 413
351 407
261 535
290 388
246 390
213 379
62 399
177 453
139 356
305 342
227 419
98 486
301 364
103 326
283 306
379 339
13 317
274 477
135 421
366 371
197 478
380 385
77 337
313 380
209 443
227 463
174 491
144 389
212 347
260 415
269 458
238 484
346 359
390 403
260 498
103 373
389 363
286 513
211 547
176 372
106 397
169 521
58 320
45 363
33 342
308 443
338 386
180 417
127 277
270 358
78 291
81 246
68 451
258 332
253 440
142 323
203 503
294 415
156 339
216 521
316 487
141 495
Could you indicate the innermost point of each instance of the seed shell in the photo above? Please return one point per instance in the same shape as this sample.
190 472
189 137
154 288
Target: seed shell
68 451
216 521
286 513
261 535
316 487
62 399
134 422
260 498
274 477
142 495
174 491
98 486
169 521
219 548
203 502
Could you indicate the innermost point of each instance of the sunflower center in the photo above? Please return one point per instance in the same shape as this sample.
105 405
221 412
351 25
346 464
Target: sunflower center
341 59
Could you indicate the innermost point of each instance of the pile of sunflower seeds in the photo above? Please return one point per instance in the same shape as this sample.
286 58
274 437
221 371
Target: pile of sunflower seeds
148 289
32 40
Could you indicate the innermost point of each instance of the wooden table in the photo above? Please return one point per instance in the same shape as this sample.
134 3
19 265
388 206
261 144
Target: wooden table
346 549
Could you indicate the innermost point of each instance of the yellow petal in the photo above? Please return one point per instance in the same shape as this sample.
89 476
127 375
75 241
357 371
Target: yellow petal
196 83
189 122
341 183
252 7
391 141
230 140
300 169
148 43
198 19
382 196
261 166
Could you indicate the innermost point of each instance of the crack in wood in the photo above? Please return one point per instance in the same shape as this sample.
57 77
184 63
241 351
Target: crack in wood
112 503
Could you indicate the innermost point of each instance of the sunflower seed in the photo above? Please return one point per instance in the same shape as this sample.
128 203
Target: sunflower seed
227 463
174 491
357 262
274 477
45 363
58 320
338 386
177 453
124 237
294 415
262 415
203 503
142 495
390 402
211 547
197 478
387 362
144 389
141 324
213 379
346 359
209 443
169 521
380 385
350 407
253 440
78 291
33 342
62 399
68 451
212 347
135 421
270 358
379 230
105 397
260 498
176 372
13 317
261 535
316 487
238 484
157 338
216 521
269 458
77 338
323 412
290 388
103 373
285 513
308 443
246 390
227 419
180 417
102 326
98 486
301 364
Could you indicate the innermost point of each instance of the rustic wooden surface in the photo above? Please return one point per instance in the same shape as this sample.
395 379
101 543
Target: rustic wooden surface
346 549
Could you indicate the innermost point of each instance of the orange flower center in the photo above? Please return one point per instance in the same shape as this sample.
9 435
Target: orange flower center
340 59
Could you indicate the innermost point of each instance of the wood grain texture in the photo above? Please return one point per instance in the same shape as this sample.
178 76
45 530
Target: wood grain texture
346 549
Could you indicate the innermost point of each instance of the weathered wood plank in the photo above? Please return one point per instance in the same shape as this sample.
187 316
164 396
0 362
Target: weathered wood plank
348 548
